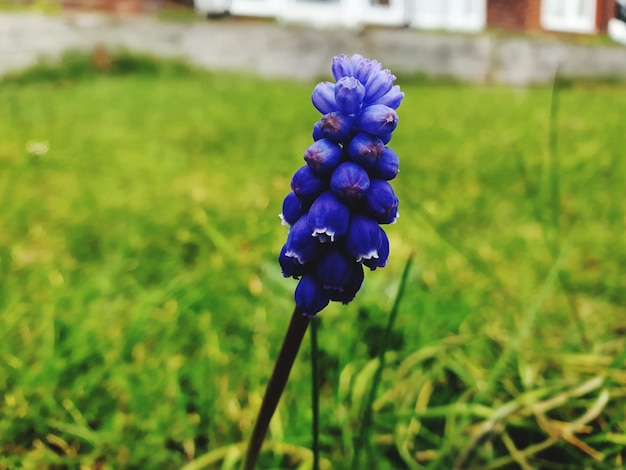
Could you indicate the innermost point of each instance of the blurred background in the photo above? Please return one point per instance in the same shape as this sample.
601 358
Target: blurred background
145 150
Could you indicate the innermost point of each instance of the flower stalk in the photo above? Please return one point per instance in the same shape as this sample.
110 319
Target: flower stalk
276 385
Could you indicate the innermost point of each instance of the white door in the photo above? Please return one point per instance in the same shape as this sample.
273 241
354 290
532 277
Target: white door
575 16
453 15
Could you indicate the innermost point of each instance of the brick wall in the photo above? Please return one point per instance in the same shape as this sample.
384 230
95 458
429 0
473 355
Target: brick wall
605 10
513 15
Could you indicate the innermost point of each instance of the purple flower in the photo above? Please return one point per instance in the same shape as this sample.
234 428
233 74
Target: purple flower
364 68
306 184
328 217
349 93
293 209
382 251
378 85
378 119
342 194
323 156
363 238
349 182
310 296
347 294
290 267
336 126
365 149
300 244
387 165
392 98
323 97
334 269
342 67
381 202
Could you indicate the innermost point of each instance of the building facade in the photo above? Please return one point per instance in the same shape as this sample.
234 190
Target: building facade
571 16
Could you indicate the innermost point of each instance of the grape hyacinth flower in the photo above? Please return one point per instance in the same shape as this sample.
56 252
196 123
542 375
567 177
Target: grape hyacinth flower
338 201
342 194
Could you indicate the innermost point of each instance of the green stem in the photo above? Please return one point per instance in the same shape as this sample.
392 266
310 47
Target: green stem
366 424
276 385
315 395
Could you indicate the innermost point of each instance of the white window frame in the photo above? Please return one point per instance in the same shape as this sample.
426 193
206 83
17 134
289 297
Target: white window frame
448 15
568 20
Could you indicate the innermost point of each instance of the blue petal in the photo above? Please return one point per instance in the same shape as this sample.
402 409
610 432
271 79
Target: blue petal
383 253
387 166
301 245
293 209
393 98
336 126
378 119
334 269
362 238
323 97
365 149
364 68
317 133
328 217
349 93
323 156
310 296
381 202
349 182
290 267
378 85
346 295
306 184
342 67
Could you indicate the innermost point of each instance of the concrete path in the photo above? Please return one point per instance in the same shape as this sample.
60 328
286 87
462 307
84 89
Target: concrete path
302 53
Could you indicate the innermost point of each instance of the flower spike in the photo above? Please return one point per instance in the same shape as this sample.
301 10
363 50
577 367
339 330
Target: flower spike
336 203
343 193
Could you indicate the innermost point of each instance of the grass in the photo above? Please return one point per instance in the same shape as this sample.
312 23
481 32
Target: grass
142 306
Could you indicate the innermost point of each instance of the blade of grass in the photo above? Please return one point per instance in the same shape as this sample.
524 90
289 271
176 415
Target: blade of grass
553 154
364 433
528 322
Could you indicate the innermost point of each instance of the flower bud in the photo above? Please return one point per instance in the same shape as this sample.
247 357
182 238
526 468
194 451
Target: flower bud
362 238
365 149
342 67
290 267
323 156
306 184
328 217
349 93
323 97
378 119
385 138
317 133
381 202
383 253
378 85
365 68
346 295
334 269
387 166
349 182
300 244
310 296
293 209
392 98
336 126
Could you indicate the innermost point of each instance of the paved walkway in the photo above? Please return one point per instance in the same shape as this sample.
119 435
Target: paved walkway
302 53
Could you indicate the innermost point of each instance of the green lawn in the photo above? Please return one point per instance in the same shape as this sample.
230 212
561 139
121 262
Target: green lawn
142 306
